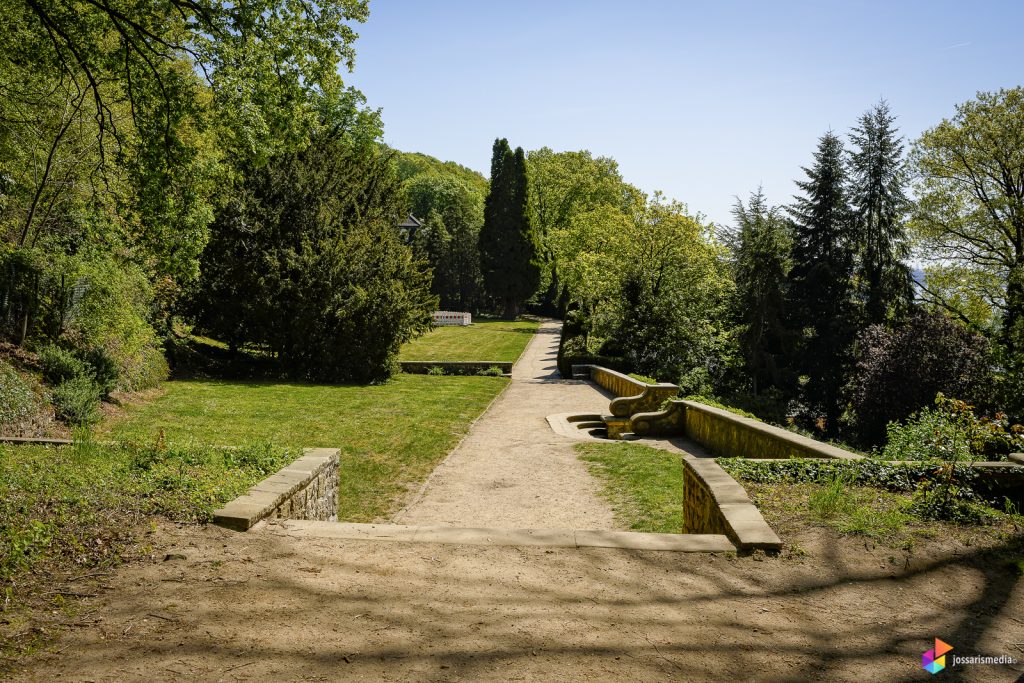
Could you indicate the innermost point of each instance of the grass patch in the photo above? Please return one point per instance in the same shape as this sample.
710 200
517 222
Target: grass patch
73 509
498 340
390 436
857 509
875 499
644 485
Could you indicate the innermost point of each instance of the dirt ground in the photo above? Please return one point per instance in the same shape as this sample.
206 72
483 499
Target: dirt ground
254 607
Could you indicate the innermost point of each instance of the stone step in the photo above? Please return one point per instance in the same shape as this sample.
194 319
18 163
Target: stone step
561 538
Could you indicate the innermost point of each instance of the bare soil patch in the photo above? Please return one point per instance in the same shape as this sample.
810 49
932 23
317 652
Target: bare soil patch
260 607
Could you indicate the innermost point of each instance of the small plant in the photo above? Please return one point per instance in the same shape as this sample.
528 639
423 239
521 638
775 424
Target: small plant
60 365
643 378
435 370
77 400
17 400
832 499
493 371
948 499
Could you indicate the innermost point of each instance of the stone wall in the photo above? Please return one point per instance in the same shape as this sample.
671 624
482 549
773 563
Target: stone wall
305 489
729 435
631 395
451 367
714 503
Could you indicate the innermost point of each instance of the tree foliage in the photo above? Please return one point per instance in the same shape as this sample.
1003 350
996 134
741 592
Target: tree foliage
761 263
306 262
819 299
673 290
877 179
509 246
970 211
459 205
899 371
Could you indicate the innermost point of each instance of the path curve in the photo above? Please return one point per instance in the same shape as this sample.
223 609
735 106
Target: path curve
512 470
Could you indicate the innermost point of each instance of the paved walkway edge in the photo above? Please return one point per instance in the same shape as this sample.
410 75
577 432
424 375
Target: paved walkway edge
561 538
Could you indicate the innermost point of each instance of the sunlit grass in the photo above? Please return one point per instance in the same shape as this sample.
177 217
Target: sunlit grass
497 340
390 436
644 485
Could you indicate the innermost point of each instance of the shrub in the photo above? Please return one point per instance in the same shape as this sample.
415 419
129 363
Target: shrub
150 369
949 498
900 371
17 400
643 378
76 401
60 365
104 369
435 370
951 431
493 371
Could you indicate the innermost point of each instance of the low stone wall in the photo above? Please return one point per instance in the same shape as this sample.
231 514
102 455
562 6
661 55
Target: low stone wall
450 367
631 396
730 435
305 489
615 382
714 503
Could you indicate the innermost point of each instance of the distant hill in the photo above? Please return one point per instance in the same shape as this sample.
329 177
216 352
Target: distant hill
410 164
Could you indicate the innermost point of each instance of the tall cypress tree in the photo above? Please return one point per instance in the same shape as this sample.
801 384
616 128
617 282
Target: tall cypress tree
509 249
820 280
877 180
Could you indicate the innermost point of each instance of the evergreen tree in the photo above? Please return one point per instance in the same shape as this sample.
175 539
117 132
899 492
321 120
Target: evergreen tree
433 244
877 178
760 268
305 261
819 300
509 249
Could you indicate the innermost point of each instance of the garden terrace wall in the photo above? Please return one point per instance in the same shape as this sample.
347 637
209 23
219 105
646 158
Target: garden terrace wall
729 435
714 503
631 395
305 489
467 367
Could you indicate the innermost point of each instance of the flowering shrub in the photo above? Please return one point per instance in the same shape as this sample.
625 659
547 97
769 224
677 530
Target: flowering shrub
951 431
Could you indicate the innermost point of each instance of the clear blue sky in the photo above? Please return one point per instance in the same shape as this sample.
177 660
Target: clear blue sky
704 101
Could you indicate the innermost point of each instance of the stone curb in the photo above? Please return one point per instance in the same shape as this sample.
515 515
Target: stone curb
557 538
266 498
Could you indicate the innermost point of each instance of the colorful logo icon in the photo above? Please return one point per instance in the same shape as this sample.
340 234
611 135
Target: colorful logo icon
934 661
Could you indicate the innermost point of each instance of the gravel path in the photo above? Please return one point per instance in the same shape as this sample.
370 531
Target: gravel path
511 470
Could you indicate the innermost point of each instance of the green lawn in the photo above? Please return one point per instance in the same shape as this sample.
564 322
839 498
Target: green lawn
644 485
391 436
498 340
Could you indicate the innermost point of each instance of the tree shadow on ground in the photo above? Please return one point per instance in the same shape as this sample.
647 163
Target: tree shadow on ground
432 612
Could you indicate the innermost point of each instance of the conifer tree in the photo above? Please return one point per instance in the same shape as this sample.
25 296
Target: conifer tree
760 268
819 298
877 178
509 249
433 243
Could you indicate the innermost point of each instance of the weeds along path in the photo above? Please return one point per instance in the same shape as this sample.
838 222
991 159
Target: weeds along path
511 470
